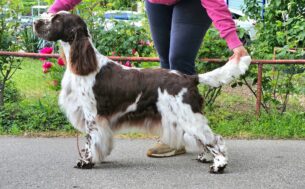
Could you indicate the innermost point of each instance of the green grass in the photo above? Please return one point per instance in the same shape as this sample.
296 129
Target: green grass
234 116
245 125
31 81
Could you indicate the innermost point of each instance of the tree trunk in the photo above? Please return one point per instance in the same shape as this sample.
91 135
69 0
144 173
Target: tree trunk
1 95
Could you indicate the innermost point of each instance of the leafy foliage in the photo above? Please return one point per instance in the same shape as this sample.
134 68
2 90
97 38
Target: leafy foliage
8 42
280 35
39 116
128 40
29 41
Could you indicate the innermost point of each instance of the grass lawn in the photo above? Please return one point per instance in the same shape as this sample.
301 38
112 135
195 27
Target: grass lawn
31 81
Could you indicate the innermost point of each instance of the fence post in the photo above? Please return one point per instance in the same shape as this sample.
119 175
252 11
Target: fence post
259 89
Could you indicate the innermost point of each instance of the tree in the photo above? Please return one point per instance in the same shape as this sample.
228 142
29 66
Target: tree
8 42
280 32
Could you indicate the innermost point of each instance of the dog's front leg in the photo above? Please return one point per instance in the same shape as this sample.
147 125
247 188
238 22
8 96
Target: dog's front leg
86 161
98 144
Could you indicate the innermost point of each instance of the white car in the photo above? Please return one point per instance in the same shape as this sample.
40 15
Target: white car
130 17
248 24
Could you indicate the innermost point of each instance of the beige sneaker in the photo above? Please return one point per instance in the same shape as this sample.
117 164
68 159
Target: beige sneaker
163 150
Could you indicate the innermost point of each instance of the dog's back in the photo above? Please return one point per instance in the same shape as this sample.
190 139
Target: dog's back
117 89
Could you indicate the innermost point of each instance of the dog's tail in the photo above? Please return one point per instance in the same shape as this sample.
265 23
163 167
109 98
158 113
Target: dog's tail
226 73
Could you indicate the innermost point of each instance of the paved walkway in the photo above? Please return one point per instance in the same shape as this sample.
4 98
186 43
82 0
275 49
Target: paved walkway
48 163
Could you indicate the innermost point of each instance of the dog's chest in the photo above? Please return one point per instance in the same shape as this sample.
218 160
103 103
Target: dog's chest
77 93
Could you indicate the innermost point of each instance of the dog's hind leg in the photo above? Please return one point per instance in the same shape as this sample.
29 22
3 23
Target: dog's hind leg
218 149
98 144
196 132
199 135
212 146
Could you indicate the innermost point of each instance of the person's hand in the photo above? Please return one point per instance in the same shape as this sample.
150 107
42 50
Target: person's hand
47 15
238 53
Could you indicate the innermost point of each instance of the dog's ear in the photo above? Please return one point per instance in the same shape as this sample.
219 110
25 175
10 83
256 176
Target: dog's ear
83 59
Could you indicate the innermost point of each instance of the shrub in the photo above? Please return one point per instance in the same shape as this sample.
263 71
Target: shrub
129 40
29 41
11 93
28 116
280 32
8 42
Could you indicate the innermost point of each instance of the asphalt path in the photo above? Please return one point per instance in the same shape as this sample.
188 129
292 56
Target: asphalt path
48 163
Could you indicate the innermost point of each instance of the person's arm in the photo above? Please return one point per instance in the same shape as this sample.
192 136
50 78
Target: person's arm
60 5
219 12
222 20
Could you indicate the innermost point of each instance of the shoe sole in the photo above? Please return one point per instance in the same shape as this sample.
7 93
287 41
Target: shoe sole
167 154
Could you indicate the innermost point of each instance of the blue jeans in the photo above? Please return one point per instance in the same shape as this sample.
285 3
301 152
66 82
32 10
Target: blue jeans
177 32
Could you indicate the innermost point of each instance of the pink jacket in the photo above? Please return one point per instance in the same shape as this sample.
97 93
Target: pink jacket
216 9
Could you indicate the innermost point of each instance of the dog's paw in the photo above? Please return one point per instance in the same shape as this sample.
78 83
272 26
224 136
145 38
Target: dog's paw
81 164
217 170
220 163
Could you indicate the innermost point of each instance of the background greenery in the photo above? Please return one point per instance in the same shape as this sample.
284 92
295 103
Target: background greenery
31 96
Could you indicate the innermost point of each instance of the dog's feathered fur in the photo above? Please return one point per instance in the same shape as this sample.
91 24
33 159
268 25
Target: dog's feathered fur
100 96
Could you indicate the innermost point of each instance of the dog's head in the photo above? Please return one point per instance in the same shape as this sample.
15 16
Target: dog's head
61 26
72 29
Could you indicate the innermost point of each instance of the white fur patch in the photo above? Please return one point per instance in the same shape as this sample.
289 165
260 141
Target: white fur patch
226 73
175 72
131 108
178 120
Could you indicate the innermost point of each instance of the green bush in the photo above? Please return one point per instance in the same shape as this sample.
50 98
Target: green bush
42 115
280 31
8 42
29 41
129 40
11 93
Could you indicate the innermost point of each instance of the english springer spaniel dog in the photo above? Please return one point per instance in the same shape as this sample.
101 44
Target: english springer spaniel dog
100 96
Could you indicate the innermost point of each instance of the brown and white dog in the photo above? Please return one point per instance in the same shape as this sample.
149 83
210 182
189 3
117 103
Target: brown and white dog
100 96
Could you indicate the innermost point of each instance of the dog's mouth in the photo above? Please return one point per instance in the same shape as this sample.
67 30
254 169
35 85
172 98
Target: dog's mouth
40 28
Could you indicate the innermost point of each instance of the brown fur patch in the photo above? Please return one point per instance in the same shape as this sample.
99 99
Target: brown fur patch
117 88
82 56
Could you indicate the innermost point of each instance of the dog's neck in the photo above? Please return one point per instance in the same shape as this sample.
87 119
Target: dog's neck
66 50
102 60
66 47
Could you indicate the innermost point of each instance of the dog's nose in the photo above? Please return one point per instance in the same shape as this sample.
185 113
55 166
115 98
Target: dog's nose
36 22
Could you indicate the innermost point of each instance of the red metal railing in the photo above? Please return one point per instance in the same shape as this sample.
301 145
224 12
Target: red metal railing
260 64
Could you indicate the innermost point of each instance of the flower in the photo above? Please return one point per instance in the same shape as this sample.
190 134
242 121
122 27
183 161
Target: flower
45 70
60 61
46 66
127 63
46 50
134 51
148 43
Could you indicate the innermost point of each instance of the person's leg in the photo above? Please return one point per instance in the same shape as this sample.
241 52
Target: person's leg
189 25
160 19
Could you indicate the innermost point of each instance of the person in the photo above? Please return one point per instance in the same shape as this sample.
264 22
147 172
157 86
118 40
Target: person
178 28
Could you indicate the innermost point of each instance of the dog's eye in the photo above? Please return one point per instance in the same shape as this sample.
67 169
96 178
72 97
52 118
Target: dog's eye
55 19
